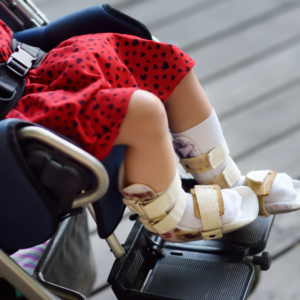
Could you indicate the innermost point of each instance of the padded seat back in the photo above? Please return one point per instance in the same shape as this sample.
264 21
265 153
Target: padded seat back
95 19
28 216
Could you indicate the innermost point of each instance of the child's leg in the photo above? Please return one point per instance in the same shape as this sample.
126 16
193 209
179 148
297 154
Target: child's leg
196 130
149 158
150 166
188 105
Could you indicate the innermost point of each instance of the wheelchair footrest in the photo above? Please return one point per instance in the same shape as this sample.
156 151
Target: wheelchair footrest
180 278
155 269
254 236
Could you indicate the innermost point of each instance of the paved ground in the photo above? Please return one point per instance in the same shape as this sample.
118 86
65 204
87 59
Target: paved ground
247 59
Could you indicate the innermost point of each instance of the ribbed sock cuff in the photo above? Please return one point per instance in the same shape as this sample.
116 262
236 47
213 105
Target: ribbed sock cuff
206 135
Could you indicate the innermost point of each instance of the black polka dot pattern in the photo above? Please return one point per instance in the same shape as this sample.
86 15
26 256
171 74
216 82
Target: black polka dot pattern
83 87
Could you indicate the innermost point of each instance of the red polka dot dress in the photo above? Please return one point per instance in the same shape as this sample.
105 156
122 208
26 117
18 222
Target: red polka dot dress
83 87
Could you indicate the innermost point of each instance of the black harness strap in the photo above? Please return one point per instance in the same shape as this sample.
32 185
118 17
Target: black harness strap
12 74
33 51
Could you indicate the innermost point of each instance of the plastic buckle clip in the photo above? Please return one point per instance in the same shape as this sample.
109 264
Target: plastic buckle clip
23 59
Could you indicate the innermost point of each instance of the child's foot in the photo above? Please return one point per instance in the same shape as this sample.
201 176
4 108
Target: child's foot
204 153
232 210
283 196
205 213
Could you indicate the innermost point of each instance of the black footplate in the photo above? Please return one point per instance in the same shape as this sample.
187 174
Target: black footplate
216 269
253 236
199 278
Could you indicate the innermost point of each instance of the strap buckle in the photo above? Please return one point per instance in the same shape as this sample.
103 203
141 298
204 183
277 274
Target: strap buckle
20 62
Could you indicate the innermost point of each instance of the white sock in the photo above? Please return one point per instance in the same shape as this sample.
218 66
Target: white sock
232 203
204 137
282 190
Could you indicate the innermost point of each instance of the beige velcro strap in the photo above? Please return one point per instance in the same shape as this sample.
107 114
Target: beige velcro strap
261 183
156 208
228 177
133 206
160 205
207 161
168 222
207 200
219 199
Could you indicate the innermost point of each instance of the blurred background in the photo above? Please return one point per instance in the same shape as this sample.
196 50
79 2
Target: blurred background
247 60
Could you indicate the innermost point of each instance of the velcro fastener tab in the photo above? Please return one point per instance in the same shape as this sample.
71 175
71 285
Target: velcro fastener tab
160 205
157 207
258 176
261 183
207 161
260 188
219 197
169 222
228 177
207 200
231 173
218 155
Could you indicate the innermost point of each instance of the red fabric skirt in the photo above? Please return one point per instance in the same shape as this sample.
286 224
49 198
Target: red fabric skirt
82 87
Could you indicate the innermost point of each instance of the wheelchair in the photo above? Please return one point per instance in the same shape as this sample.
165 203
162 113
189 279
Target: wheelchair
56 181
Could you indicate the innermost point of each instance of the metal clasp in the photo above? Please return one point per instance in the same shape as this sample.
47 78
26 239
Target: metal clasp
23 59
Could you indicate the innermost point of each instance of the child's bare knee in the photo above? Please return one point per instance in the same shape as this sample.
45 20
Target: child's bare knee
148 109
146 116
147 106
